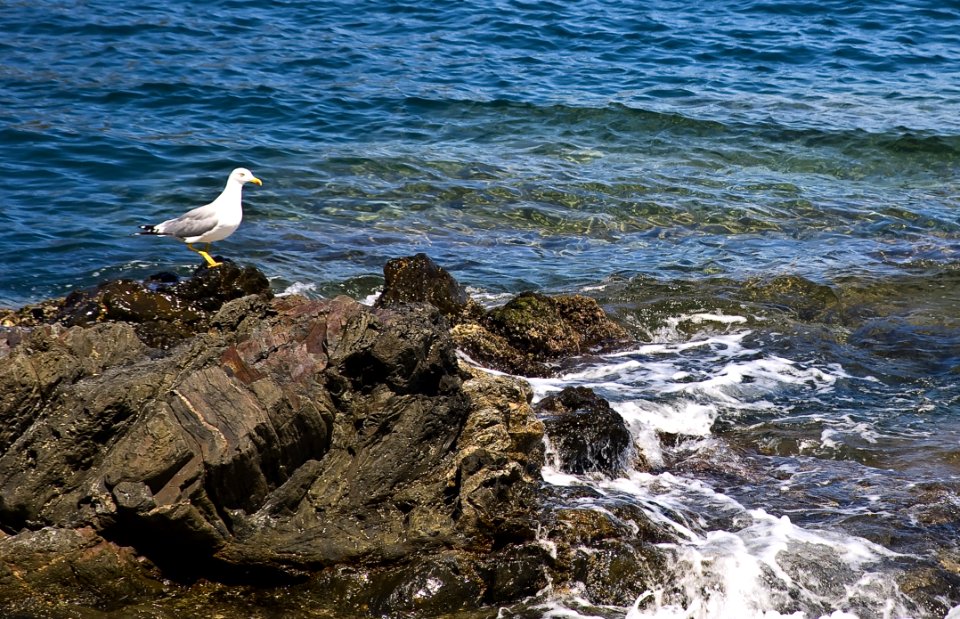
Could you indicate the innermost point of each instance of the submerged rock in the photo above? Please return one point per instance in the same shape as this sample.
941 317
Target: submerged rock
801 297
178 442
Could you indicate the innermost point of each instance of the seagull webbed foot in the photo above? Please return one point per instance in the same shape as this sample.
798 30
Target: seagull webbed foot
210 261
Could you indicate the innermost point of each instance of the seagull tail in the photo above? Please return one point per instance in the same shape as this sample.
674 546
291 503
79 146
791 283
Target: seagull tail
149 229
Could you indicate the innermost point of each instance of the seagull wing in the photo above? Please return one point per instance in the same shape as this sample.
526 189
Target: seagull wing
193 223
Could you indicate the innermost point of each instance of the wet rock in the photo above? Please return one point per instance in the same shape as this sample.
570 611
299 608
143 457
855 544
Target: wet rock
610 554
932 589
31 315
430 587
93 572
492 350
553 327
518 573
163 309
586 433
532 332
527 336
288 436
419 279
302 453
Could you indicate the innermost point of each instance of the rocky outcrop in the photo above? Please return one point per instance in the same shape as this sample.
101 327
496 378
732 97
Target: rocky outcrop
527 336
166 445
533 332
163 310
418 279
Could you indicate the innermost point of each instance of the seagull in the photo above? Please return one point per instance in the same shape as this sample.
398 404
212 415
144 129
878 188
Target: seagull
212 222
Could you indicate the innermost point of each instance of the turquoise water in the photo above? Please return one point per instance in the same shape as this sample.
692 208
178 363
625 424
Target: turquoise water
591 145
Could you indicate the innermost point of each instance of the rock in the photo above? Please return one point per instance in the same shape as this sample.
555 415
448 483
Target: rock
533 331
516 574
933 589
429 587
494 351
163 309
47 356
610 554
93 572
553 327
586 433
420 280
300 453
802 297
525 336
299 434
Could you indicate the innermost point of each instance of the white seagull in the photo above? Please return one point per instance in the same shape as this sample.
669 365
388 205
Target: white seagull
212 222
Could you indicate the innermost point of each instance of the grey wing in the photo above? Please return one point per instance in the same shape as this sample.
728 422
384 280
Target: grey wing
193 223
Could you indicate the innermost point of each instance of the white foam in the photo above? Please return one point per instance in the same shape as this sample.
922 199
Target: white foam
720 318
671 330
488 299
762 568
678 417
727 561
297 288
683 388
844 428
371 298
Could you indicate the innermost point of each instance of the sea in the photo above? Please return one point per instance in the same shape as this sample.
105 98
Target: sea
765 192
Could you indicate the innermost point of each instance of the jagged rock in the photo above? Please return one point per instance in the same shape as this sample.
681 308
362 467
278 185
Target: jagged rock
321 445
163 309
525 336
609 554
553 327
288 436
492 350
91 571
587 434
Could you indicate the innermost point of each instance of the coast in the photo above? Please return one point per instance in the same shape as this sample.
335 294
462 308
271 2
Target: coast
200 446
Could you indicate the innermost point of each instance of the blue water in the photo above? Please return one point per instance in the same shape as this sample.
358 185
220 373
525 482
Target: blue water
557 146
567 140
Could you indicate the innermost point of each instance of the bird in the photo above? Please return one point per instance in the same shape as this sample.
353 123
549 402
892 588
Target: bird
211 222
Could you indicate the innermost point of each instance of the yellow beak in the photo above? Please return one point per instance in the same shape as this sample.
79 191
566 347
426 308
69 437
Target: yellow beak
256 180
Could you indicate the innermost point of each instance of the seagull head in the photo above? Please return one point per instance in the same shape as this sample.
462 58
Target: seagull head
243 175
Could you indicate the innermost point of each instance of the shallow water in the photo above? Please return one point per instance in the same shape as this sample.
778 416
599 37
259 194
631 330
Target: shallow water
662 157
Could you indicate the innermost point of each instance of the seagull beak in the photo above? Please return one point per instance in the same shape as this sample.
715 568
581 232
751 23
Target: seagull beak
256 180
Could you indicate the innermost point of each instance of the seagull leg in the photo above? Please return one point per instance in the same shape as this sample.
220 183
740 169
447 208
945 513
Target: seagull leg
206 256
210 261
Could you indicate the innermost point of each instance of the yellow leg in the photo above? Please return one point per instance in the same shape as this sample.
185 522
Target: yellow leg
210 261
